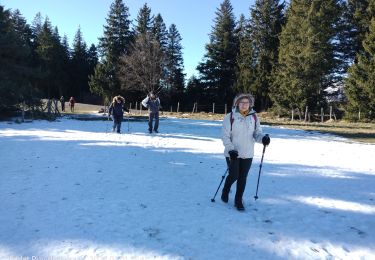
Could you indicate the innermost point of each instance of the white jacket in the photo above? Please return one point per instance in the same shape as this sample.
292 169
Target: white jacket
243 136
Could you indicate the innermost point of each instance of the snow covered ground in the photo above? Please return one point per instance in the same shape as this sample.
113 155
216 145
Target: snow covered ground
69 189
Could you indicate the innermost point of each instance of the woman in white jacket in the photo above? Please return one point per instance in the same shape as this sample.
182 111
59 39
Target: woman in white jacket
241 129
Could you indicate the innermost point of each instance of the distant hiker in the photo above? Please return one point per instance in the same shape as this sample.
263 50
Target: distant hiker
71 104
241 129
152 102
62 101
116 109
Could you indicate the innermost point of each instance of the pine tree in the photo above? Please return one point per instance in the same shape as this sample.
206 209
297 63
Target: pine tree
15 70
46 49
92 58
175 78
265 27
245 74
352 28
101 82
217 70
59 63
115 42
195 92
160 31
66 67
307 54
37 24
65 45
145 21
22 28
359 19
79 65
117 34
360 84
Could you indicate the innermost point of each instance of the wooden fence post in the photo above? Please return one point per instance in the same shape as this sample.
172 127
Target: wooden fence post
213 108
178 106
307 109
23 111
330 112
225 109
292 114
322 114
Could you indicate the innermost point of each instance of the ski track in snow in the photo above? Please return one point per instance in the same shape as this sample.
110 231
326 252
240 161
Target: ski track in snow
69 189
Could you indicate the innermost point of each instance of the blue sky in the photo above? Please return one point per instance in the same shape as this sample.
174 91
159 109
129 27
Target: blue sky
193 18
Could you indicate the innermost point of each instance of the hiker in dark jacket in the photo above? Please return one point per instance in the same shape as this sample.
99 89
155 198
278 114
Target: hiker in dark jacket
241 129
62 101
116 109
152 102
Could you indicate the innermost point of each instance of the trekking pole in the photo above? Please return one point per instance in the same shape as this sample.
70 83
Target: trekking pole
106 127
128 121
222 178
260 169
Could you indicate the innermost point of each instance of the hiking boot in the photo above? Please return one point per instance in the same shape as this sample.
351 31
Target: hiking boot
224 197
156 131
238 204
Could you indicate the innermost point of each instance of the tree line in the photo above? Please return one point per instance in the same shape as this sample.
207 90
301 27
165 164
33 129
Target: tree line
36 62
307 53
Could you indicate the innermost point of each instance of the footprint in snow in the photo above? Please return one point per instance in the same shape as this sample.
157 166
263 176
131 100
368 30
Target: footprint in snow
359 232
152 232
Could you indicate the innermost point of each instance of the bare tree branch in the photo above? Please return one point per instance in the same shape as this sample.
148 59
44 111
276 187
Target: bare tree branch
143 68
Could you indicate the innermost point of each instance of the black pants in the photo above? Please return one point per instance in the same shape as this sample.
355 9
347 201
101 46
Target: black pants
116 123
151 117
238 170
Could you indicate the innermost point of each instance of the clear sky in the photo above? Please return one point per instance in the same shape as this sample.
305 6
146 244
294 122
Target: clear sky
193 18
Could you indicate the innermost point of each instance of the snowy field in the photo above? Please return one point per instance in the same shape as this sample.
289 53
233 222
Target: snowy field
69 190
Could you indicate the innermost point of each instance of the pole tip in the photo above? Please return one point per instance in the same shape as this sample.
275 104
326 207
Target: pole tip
255 197
212 200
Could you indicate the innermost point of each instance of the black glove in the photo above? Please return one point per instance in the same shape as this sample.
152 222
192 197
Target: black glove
233 154
266 140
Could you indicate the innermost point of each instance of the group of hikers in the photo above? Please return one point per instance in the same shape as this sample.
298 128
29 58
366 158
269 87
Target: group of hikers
240 130
72 102
117 108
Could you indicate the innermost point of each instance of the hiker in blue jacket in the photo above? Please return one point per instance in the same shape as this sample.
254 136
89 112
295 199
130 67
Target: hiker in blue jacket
116 109
241 129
